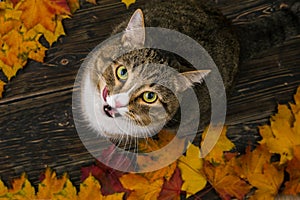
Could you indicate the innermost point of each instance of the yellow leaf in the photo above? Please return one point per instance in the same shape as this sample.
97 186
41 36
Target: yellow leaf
68 192
92 1
74 5
42 12
165 173
3 189
142 188
223 144
22 189
50 185
128 2
283 134
267 182
225 181
1 91
191 171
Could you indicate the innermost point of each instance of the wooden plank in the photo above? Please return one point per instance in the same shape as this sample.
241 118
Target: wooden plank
37 128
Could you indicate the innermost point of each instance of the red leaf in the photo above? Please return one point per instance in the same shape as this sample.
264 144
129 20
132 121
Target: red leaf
172 189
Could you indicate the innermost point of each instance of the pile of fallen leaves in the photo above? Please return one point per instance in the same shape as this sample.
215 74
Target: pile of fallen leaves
23 23
272 168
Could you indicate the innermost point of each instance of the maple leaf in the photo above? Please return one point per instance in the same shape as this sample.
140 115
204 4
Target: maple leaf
128 2
141 188
90 189
52 187
216 155
42 12
293 168
171 189
191 171
108 177
22 189
225 181
165 173
2 84
148 162
73 5
283 134
92 1
3 189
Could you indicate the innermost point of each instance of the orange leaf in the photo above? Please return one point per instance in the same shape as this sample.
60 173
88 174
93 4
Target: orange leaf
165 173
42 12
1 88
90 189
74 5
3 189
22 189
92 1
142 188
225 181
216 155
293 168
128 2
191 171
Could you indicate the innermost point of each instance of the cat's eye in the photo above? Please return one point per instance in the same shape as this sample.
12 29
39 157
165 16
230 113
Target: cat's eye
122 73
149 97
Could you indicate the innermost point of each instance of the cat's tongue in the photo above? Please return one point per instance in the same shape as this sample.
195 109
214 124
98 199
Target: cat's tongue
105 93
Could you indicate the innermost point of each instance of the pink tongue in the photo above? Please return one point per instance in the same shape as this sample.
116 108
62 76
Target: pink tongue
105 93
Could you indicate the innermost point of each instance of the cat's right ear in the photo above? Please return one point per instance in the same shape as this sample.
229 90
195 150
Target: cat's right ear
134 35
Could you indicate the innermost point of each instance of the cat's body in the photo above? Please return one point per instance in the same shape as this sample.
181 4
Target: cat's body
113 97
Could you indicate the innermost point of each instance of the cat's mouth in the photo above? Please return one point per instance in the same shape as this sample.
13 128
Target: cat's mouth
108 110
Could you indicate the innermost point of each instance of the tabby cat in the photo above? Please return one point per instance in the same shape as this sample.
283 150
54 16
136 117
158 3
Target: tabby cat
122 99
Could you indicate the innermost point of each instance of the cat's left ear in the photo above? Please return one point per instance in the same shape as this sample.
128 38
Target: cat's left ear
192 77
134 35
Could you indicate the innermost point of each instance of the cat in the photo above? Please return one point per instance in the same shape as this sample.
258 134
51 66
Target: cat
127 103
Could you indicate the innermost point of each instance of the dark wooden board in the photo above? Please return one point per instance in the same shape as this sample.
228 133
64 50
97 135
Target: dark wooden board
36 124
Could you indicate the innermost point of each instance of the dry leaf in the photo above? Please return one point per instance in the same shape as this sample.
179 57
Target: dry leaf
92 1
73 5
128 2
165 173
2 84
191 171
142 188
42 12
225 181
3 189
171 189
21 189
293 168
283 134
216 155
90 189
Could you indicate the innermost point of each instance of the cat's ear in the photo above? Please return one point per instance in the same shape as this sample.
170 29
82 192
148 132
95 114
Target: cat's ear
192 77
134 35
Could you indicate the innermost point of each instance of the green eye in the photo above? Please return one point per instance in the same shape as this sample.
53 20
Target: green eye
149 97
122 73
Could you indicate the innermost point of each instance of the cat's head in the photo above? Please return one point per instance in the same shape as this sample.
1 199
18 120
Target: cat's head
140 91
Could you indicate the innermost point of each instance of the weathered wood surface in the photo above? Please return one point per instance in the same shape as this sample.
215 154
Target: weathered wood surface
36 124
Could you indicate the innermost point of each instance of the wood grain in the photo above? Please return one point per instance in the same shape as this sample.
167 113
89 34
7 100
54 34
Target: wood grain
36 123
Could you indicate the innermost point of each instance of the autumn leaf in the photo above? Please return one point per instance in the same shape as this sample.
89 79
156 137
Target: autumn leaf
128 2
216 155
2 84
3 189
148 162
108 177
141 188
22 189
190 166
225 181
92 1
283 133
42 12
165 173
292 186
171 189
52 187
73 5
